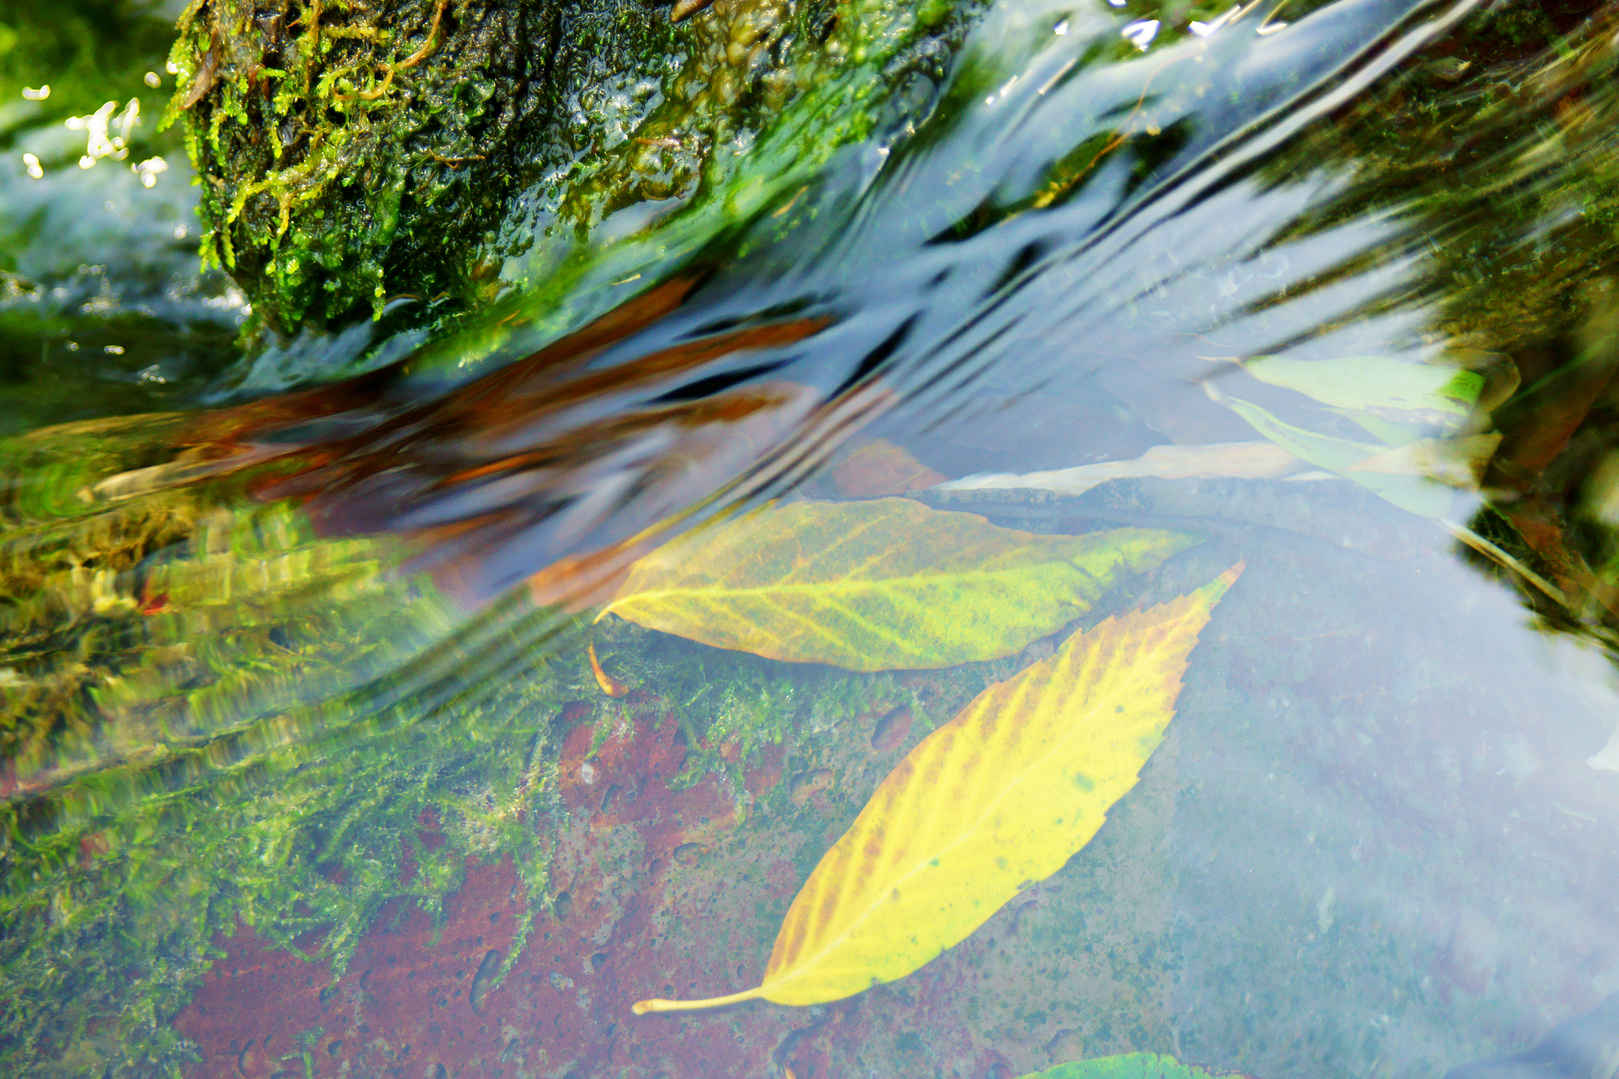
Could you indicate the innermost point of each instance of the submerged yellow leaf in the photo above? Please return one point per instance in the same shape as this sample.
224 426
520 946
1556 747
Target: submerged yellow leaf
997 798
888 584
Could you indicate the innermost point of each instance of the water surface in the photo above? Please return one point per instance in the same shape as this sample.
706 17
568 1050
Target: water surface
307 771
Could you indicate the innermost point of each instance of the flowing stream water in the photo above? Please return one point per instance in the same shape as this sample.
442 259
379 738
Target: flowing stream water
306 770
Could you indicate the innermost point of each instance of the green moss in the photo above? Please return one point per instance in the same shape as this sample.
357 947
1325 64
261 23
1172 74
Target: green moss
216 718
325 133
248 724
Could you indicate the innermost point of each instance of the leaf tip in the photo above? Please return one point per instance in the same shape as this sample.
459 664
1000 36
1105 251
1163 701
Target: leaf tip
1216 589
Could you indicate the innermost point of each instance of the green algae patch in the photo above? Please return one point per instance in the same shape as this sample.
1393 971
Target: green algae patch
215 718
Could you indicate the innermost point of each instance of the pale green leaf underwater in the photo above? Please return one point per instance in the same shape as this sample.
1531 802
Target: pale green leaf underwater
1418 408
1413 493
1398 390
1125 1066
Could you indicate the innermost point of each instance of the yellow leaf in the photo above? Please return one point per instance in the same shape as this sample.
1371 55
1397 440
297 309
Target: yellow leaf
1001 796
887 584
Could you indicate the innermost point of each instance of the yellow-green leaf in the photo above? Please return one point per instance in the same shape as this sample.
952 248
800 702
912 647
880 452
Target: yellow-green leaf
997 798
888 584
1125 1066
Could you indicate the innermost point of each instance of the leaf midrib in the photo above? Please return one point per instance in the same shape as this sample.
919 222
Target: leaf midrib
843 585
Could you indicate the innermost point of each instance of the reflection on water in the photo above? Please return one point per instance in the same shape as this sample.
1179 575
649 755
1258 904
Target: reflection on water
903 463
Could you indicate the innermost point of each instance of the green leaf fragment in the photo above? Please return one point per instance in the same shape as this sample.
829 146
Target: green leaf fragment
1125 1066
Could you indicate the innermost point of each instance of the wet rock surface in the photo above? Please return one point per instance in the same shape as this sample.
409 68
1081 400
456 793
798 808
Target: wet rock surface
354 154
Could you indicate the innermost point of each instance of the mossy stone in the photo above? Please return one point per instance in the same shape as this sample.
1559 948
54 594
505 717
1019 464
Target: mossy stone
329 133
354 152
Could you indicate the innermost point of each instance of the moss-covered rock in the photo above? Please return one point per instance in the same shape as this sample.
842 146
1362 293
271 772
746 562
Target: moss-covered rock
352 152
327 131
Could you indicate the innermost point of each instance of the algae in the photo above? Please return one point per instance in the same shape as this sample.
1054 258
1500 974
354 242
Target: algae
214 718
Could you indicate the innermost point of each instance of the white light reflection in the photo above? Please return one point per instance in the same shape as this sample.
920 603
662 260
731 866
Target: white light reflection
36 93
1204 29
1141 32
36 171
1002 91
149 170
100 139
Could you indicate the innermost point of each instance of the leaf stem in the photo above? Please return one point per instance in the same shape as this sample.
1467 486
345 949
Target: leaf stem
642 1007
